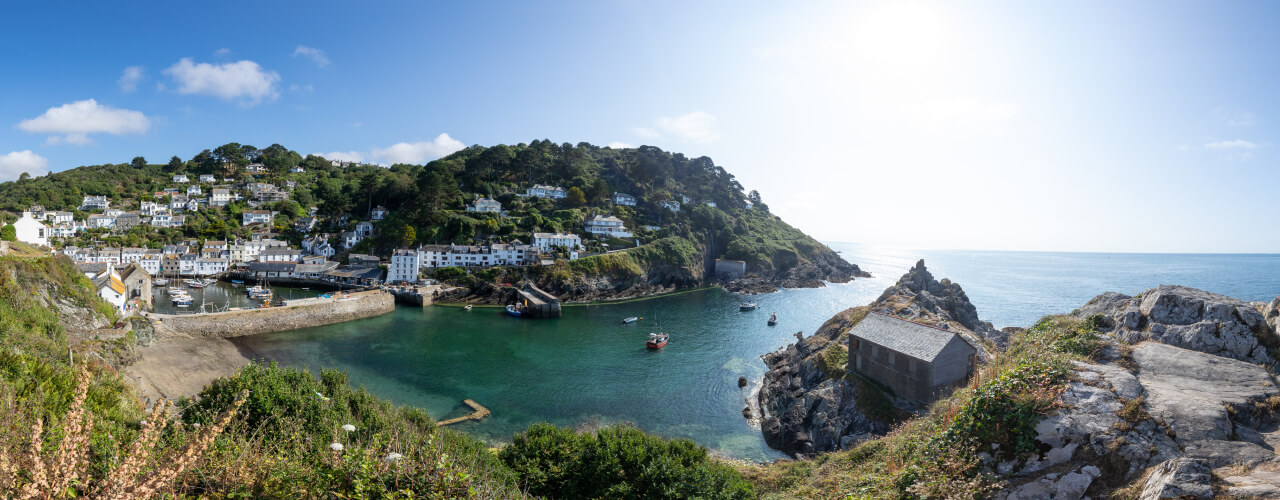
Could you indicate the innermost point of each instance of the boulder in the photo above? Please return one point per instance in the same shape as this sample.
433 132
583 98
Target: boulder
1185 317
1181 478
918 296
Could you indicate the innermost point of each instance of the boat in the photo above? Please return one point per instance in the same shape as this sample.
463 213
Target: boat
258 293
182 300
773 319
160 282
515 310
633 319
657 340
176 290
468 308
748 306
237 282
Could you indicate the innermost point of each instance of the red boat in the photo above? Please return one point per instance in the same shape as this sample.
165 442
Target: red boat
656 340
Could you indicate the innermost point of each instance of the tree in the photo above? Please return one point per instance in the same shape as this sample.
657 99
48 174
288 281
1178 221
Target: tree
176 164
138 162
8 233
410 236
576 197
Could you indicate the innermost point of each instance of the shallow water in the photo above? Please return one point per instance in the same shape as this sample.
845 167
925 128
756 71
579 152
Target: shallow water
587 368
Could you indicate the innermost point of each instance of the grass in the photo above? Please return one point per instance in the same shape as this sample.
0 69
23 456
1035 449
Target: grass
936 455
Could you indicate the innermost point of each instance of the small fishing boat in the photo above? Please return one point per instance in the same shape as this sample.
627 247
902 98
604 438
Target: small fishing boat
657 340
182 300
748 306
468 308
176 290
628 321
160 282
195 284
773 319
237 282
514 310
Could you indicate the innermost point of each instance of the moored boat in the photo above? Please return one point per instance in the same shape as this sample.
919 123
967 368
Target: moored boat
633 319
657 340
515 310
160 282
468 308
773 319
748 306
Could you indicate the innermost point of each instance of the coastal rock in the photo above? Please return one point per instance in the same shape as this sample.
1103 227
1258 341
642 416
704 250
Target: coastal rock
803 411
1271 313
1183 478
918 296
1186 317
1177 416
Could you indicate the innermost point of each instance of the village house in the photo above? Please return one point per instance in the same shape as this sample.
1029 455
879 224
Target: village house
208 179
137 283
362 261
194 190
94 203
127 221
177 203
624 199
101 221
916 361
161 220
349 239
151 263
220 197
59 217
671 205
364 228
31 231
256 168
37 212
485 205
209 267
147 208
252 217
548 241
544 191
280 255
129 255
181 179
63 231
608 227
404 266
297 169
379 212
177 220
110 288
304 224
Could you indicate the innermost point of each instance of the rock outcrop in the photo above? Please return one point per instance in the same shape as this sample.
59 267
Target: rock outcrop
1177 415
806 410
1189 318
918 296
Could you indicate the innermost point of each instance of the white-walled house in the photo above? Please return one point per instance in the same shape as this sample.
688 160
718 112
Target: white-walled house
251 217
364 228
179 178
220 197
31 231
544 191
100 220
379 212
547 241
671 205
297 169
95 203
609 227
208 179
280 255
57 218
624 199
111 288
404 266
147 208
194 190
485 205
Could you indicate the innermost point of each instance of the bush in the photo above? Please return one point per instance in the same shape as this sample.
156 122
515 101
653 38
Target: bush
8 233
617 462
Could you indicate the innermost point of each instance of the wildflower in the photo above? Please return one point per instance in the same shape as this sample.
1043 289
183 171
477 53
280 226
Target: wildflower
348 427
393 457
335 446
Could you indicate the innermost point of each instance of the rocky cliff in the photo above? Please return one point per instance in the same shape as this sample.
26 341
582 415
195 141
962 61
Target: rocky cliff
809 406
1189 318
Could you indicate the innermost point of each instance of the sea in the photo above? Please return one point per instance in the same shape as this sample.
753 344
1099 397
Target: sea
588 369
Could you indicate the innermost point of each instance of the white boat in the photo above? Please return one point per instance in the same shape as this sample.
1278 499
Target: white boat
633 319
160 282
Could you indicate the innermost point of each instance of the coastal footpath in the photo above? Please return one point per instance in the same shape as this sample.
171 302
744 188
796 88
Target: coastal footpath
300 313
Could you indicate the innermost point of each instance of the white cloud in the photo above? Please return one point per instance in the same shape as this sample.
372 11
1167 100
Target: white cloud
302 88
129 80
698 126
244 80
72 123
417 152
355 156
315 55
620 145
1234 118
1232 144
222 52
14 164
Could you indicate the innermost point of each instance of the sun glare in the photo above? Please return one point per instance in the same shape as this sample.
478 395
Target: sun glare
899 34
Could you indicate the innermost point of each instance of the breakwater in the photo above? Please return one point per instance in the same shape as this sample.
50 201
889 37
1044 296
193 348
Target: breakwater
300 313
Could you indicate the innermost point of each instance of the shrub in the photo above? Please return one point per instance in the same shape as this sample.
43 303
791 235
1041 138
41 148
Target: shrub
617 462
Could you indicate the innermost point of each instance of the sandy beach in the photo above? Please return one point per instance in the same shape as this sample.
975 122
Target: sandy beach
177 367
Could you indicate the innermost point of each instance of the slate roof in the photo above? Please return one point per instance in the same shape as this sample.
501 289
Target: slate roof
907 337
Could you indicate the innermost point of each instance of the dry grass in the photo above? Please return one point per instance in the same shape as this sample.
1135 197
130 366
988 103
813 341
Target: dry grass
62 472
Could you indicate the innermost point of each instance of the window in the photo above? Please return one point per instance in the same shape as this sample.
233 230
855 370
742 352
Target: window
875 351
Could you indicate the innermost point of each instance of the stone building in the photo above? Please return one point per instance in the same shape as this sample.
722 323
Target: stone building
916 361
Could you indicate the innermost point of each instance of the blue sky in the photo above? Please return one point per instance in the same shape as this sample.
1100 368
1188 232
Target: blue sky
1094 126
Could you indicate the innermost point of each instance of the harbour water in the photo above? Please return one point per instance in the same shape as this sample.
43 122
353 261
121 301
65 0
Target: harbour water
589 369
217 297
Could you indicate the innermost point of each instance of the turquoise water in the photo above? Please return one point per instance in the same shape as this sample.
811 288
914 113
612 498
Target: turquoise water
217 297
588 368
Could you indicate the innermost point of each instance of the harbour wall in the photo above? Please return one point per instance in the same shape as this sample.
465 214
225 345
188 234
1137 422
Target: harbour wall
300 313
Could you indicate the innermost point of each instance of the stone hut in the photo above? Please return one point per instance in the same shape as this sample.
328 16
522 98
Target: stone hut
916 361
137 283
